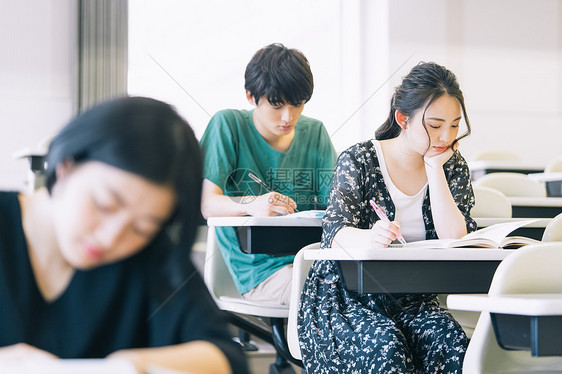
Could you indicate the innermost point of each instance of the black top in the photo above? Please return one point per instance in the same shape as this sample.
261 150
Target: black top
105 309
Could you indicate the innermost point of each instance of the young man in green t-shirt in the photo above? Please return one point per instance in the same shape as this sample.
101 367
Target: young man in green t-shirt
292 154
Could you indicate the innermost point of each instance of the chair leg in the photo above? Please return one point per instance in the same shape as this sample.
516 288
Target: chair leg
244 341
281 366
280 341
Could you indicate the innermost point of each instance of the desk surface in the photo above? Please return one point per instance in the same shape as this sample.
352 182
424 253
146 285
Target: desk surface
254 233
504 165
264 221
535 201
547 177
289 221
409 270
407 254
519 304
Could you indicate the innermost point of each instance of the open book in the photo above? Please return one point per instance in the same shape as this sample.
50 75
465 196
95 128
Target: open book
494 236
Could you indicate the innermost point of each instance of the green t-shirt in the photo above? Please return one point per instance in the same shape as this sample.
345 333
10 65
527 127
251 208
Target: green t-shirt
233 148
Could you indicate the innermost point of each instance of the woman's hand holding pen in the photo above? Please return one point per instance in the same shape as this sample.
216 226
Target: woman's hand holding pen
383 233
271 204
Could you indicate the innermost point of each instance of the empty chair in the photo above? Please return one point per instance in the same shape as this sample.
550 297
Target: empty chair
36 158
490 203
496 156
300 271
530 270
512 184
553 231
554 165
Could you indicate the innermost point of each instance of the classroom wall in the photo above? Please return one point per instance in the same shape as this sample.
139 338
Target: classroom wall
37 77
507 55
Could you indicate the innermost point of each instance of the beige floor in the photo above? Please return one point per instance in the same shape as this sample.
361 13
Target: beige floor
259 361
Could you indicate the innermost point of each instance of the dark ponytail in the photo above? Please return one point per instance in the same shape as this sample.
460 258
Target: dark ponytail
425 83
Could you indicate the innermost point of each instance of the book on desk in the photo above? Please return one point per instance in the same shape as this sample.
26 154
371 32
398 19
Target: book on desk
494 236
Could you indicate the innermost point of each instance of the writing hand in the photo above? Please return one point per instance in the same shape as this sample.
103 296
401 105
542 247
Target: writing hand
383 233
271 204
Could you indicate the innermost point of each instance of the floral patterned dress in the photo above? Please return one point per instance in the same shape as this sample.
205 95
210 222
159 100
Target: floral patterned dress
346 332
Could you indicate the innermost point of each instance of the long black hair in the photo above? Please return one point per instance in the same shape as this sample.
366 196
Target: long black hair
148 138
425 83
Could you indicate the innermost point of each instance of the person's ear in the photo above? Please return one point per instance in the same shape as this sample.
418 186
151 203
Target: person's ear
250 98
401 119
63 169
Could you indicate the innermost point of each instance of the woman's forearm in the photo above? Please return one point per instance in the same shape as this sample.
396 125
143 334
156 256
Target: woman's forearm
197 357
448 220
351 237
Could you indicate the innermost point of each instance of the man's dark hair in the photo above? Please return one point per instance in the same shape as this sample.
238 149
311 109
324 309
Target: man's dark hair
279 74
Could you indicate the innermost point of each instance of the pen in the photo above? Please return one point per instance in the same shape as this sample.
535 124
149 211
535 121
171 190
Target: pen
260 182
383 216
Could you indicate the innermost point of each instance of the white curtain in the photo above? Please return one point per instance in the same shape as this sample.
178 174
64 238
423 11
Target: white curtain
102 52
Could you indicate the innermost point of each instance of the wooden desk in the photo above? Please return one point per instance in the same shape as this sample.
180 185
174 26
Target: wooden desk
405 270
279 235
552 181
522 321
533 230
535 207
480 168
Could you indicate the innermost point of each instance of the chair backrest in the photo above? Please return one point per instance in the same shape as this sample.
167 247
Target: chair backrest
553 231
216 275
531 269
223 290
490 203
300 271
496 156
554 165
513 184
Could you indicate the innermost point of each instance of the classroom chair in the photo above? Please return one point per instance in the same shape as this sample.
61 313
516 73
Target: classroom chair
530 270
490 203
496 156
300 271
554 166
512 184
36 158
223 290
553 231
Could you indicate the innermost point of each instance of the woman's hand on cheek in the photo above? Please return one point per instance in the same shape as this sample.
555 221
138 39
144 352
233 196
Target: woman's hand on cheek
23 351
438 160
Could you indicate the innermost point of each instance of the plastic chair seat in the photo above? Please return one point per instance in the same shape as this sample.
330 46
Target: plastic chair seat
260 309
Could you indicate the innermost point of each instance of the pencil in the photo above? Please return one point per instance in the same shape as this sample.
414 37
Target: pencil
260 182
383 216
